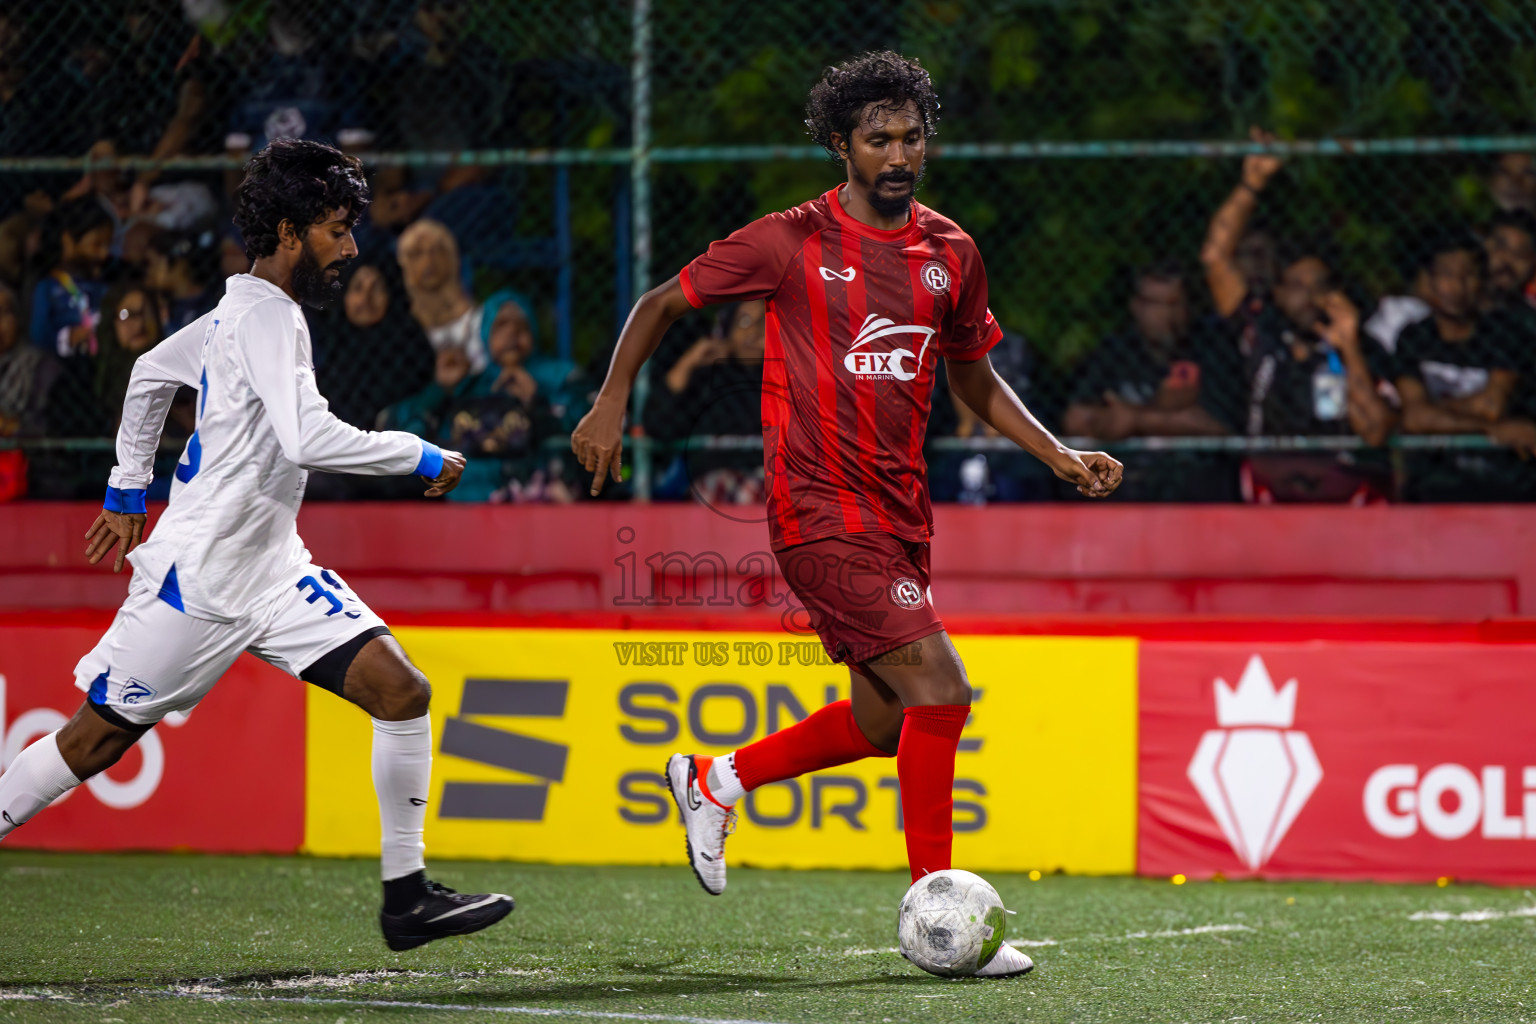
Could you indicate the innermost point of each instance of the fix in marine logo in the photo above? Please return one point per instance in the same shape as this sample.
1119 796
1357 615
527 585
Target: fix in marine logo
828 274
885 365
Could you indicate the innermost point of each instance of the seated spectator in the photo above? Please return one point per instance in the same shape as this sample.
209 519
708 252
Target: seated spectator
108 187
1512 181
509 342
181 269
507 311
1457 372
1511 246
130 326
1147 381
67 301
370 353
429 261
1394 312
26 374
480 414
293 86
714 388
1156 379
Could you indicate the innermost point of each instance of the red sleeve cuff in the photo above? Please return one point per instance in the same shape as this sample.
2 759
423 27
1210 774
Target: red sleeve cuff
685 279
970 355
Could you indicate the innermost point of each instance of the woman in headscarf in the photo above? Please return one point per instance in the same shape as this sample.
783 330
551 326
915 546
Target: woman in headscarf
370 353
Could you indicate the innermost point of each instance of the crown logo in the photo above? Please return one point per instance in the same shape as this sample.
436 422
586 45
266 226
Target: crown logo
1255 701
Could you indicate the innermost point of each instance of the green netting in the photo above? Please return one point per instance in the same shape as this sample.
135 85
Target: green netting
584 149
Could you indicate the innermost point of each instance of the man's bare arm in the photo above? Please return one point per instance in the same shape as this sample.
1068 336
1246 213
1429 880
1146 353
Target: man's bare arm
598 439
1491 403
990 398
1422 416
1219 254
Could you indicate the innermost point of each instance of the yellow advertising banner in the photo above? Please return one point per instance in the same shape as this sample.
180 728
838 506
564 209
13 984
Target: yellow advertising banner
550 745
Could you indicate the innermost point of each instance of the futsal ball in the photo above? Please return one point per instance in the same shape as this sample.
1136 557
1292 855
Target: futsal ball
951 923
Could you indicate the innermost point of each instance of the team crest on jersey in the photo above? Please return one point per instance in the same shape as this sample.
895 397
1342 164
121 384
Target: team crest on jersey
136 691
862 362
935 277
905 593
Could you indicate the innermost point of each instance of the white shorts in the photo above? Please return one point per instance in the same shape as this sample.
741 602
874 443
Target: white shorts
154 659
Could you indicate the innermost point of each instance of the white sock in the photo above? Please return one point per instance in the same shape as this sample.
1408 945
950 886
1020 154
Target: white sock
724 784
34 780
402 775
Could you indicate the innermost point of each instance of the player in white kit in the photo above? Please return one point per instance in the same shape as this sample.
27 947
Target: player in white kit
225 570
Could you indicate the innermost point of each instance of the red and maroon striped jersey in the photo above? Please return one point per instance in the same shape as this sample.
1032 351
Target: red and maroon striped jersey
857 321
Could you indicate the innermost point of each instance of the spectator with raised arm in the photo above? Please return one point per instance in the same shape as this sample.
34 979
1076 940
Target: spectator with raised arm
1296 383
1301 376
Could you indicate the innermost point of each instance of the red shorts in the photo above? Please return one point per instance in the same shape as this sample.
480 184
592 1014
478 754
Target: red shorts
865 594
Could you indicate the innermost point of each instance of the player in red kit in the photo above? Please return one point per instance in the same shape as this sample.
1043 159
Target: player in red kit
866 290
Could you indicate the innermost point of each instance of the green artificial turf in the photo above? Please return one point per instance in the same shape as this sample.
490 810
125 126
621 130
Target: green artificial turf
107 938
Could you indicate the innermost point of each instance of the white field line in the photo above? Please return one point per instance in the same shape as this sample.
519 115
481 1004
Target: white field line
389 1004
1204 929
1471 915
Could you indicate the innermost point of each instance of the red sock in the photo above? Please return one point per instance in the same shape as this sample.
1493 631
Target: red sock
925 766
828 738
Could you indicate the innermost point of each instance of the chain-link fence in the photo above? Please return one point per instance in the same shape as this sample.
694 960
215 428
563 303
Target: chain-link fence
576 152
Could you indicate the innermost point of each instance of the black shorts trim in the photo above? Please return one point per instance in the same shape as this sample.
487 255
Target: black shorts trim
111 717
329 670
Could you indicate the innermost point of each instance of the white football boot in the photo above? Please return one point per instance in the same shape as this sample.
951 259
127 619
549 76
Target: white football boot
1008 963
705 822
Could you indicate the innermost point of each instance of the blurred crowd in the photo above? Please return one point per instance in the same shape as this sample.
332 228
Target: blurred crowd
1255 336
97 268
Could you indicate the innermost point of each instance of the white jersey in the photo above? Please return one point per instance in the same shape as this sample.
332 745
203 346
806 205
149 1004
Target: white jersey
230 533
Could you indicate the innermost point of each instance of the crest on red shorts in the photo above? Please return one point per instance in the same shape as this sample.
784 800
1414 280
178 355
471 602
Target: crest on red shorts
905 593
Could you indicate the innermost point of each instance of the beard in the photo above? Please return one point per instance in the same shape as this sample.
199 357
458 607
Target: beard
894 206
310 282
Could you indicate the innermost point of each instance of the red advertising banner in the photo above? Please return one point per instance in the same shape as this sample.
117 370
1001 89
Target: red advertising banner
227 778
1401 762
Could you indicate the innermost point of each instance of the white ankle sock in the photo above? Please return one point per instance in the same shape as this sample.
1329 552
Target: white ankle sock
402 775
34 780
724 784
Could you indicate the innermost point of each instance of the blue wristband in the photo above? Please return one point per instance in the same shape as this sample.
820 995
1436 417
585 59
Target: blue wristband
129 500
431 464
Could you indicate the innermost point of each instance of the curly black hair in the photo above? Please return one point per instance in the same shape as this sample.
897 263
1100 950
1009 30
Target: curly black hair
299 181
881 77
